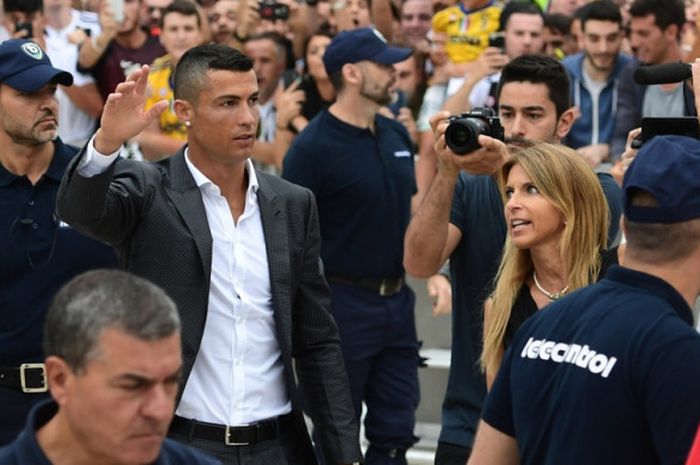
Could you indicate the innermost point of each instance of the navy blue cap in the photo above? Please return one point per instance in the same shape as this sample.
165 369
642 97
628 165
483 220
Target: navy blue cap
361 44
668 168
26 67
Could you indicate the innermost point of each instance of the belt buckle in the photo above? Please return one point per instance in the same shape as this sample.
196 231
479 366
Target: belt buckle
382 288
23 377
228 436
387 287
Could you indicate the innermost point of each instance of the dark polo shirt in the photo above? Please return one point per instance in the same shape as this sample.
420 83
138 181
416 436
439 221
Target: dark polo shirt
607 375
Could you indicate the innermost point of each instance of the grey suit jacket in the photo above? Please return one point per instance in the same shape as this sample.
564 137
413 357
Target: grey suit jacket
154 216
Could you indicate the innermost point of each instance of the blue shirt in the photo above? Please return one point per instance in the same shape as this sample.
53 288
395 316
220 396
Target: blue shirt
607 375
363 182
477 210
38 254
25 450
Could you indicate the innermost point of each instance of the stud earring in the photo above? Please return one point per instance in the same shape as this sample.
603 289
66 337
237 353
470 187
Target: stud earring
188 124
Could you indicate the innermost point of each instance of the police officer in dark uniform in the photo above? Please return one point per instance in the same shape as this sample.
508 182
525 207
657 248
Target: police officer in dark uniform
359 165
609 374
38 253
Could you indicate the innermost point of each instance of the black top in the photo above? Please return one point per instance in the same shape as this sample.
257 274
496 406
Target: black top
525 306
313 103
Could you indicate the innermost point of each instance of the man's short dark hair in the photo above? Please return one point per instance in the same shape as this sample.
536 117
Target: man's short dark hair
25 6
105 299
282 44
558 22
539 69
601 10
666 12
191 70
185 8
512 8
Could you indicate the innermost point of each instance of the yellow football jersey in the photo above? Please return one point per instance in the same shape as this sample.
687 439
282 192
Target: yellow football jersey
467 32
160 88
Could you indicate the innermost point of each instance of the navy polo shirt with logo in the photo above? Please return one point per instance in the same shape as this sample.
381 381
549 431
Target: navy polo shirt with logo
363 182
608 375
38 254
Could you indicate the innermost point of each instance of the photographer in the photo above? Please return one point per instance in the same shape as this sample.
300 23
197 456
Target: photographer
359 165
461 217
24 19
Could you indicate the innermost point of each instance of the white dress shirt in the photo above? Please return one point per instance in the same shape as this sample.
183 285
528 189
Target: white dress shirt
238 375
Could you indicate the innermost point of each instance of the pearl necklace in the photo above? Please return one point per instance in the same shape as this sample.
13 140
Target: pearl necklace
552 296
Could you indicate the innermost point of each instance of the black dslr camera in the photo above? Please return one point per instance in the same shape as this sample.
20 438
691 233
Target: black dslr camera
272 11
462 133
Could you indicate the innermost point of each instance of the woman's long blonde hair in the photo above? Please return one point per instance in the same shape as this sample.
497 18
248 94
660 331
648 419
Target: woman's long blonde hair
561 175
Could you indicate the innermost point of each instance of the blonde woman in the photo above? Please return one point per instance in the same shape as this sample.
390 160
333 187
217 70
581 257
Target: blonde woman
557 220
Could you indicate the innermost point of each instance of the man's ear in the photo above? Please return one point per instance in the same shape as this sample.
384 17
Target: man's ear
352 74
671 33
58 377
566 120
184 111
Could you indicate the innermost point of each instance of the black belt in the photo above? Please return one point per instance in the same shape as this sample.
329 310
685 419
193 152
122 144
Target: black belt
383 287
233 435
29 378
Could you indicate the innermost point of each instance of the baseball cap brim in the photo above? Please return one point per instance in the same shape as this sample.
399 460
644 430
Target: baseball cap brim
391 55
36 77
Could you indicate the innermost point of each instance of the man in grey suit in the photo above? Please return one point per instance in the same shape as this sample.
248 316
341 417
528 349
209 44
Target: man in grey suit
238 251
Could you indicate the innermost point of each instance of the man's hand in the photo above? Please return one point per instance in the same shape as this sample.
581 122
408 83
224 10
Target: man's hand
618 171
491 60
108 24
595 154
248 18
440 291
485 160
123 116
288 103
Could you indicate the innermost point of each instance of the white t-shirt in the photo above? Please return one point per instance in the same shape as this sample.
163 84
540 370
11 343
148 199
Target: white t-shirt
74 125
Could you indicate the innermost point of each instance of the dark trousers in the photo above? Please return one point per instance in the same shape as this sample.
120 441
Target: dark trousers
291 448
380 347
14 410
451 454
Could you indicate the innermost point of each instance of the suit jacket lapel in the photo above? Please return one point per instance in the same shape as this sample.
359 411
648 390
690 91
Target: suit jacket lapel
274 221
187 200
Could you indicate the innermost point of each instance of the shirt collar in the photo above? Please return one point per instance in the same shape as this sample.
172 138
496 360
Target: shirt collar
652 284
57 166
26 445
201 180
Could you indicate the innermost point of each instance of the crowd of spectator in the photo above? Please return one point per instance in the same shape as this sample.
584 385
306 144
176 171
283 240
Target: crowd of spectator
341 84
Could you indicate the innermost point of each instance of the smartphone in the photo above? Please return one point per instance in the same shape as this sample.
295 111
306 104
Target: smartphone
498 40
26 27
398 101
681 126
289 77
273 11
118 10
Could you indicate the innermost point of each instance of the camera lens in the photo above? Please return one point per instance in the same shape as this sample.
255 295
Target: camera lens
461 135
